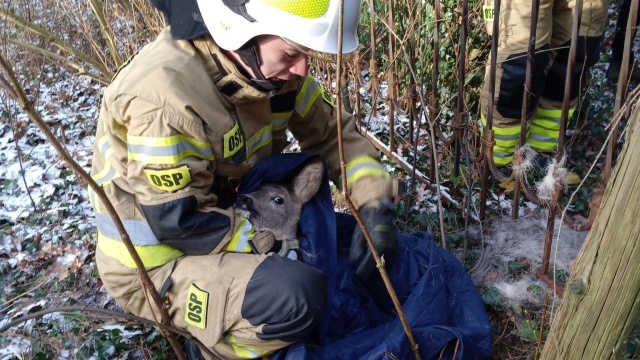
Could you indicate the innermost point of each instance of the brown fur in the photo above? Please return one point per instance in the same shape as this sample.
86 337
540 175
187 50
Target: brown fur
277 207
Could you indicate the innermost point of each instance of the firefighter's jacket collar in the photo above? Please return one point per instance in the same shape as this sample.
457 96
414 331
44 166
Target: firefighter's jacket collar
232 83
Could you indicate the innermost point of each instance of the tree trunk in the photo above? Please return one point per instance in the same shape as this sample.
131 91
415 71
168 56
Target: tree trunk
602 301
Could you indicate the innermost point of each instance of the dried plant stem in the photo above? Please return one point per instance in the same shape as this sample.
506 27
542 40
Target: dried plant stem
103 70
81 70
354 210
98 11
101 311
147 284
18 152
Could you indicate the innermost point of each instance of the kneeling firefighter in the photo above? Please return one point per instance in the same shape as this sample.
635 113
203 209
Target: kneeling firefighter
180 125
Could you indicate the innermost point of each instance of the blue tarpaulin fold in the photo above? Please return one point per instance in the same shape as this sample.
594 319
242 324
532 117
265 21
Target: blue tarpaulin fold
440 302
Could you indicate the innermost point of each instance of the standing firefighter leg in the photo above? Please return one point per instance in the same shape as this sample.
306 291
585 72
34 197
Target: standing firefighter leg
513 39
545 125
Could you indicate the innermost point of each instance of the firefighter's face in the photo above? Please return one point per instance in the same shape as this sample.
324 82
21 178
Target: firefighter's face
280 60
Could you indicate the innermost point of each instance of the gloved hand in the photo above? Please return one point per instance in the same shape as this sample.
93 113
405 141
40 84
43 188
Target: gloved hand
378 219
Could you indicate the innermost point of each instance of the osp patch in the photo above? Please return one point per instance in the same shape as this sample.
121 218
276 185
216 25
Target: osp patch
196 309
169 180
488 13
233 141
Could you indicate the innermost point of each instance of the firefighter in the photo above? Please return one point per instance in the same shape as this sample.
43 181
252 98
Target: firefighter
617 45
181 123
553 39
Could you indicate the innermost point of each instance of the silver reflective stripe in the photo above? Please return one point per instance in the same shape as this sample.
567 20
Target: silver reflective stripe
506 137
280 121
311 93
543 138
260 139
244 235
369 165
139 231
103 177
170 153
503 155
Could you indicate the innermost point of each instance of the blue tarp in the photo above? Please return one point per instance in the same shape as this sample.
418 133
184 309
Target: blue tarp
440 302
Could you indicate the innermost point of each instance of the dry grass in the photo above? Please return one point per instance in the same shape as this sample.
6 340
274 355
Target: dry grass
92 37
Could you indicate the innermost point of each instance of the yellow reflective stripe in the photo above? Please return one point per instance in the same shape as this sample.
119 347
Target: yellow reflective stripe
93 199
280 121
309 9
151 256
108 173
549 118
507 141
505 131
553 113
166 150
245 351
308 94
543 139
502 159
503 155
364 166
260 139
240 241
506 149
540 133
547 124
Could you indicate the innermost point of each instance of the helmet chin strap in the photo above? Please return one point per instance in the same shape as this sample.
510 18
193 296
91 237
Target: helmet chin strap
249 55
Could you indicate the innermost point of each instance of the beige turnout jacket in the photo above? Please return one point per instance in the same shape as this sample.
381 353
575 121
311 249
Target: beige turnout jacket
180 125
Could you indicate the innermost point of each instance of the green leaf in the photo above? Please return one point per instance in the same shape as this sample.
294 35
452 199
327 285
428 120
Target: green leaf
491 296
527 330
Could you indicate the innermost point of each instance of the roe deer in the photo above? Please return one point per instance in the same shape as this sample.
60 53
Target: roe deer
277 207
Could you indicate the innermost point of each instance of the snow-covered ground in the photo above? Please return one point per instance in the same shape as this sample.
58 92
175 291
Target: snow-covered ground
46 219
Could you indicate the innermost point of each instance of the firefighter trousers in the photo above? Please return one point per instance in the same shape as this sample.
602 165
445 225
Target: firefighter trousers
239 306
553 38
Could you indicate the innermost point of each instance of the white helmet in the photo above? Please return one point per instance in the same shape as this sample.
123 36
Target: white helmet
310 23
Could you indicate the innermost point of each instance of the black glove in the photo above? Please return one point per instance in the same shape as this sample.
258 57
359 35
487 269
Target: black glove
378 219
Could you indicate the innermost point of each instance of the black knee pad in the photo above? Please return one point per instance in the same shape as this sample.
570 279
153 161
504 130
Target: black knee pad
514 74
587 55
287 297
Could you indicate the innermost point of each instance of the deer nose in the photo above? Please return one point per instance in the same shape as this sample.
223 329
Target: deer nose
243 200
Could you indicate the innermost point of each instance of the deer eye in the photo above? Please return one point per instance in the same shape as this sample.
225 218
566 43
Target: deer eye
278 200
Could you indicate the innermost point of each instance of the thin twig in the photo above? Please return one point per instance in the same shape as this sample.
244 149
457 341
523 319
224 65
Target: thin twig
79 171
352 207
13 125
91 309
49 36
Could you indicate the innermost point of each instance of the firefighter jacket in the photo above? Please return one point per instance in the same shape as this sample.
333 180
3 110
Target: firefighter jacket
180 125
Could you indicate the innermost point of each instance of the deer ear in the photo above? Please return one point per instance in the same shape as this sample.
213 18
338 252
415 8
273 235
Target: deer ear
307 182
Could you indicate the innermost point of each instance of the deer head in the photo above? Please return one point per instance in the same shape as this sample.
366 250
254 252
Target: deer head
277 207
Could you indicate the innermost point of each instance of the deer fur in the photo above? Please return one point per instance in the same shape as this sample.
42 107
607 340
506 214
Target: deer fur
277 207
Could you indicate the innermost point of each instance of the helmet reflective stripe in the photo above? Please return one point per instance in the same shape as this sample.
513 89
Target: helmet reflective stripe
310 9
310 23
